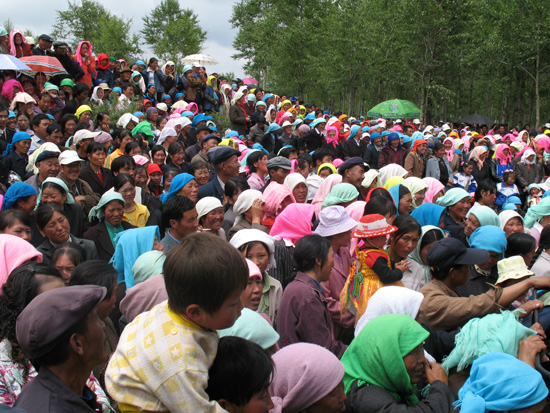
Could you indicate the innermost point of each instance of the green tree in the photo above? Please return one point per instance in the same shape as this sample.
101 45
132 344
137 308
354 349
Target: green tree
173 32
90 20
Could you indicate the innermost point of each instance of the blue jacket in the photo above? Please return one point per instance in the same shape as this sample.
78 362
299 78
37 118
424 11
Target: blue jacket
212 188
158 79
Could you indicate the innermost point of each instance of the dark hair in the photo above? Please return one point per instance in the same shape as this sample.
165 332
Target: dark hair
44 94
380 205
22 285
438 146
192 279
308 250
9 217
95 272
65 118
253 158
130 147
100 117
285 152
544 243
119 135
54 127
519 243
174 148
405 224
305 157
5 108
233 186
157 148
465 164
122 179
441 273
170 172
55 186
37 119
196 165
240 370
403 190
122 162
72 250
248 245
430 237
80 87
319 154
22 114
45 212
174 208
380 192
507 174
486 185
94 147
81 126
126 85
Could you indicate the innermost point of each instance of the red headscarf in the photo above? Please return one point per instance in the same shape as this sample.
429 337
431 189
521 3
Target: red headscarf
417 143
100 57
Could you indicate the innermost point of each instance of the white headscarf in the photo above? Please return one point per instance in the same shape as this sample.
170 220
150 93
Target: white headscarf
125 119
206 205
245 236
506 216
391 170
244 203
294 179
94 97
240 93
370 176
166 132
526 154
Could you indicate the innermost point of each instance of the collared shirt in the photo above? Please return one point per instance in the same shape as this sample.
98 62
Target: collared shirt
222 184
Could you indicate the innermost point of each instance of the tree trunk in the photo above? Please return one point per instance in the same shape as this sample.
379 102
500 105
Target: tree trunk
537 88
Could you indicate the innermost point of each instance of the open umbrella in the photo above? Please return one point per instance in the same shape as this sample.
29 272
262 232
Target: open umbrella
200 59
9 62
45 64
395 108
250 81
475 118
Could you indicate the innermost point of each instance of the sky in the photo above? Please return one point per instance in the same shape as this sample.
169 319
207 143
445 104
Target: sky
39 16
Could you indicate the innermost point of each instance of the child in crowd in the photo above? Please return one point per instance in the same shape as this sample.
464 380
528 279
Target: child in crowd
506 189
464 179
240 377
372 268
163 357
535 195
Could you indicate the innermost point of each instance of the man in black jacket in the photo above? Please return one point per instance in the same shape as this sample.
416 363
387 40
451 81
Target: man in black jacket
71 66
44 46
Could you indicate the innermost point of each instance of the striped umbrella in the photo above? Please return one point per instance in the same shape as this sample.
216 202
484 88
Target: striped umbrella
45 64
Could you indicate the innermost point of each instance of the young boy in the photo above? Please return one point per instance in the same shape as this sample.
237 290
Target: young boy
465 179
506 189
162 359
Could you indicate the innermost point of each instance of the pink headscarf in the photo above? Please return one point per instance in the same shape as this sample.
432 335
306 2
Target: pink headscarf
79 48
450 154
434 187
337 162
323 191
293 223
7 88
334 140
543 142
193 108
466 139
475 155
510 136
355 210
15 251
499 154
13 51
274 196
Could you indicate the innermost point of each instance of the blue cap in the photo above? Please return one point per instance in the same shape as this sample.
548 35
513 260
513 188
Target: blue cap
117 89
178 95
140 62
50 116
138 114
513 200
385 133
269 95
310 116
222 154
166 97
11 114
457 152
406 139
509 207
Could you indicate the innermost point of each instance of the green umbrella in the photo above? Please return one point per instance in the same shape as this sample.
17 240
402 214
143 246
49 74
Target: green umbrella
395 108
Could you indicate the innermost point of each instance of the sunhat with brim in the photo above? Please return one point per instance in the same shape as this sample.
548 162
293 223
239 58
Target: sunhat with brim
512 268
334 220
449 252
373 225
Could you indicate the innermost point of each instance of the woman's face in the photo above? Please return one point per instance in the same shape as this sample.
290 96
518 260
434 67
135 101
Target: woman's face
201 176
460 209
214 219
406 244
100 93
128 192
53 196
332 402
436 196
69 127
18 39
419 197
414 363
126 140
157 246
113 212
405 204
135 151
84 49
23 123
190 190
325 172
300 193
286 202
177 158
159 158
488 198
252 293
27 206
261 165
19 230
105 122
513 225
141 178
259 255
341 240
57 230
97 158
483 156
167 182
440 153
448 145
472 223
86 117
424 252
65 266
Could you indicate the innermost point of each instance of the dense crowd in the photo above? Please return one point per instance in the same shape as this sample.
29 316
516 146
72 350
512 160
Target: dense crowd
301 260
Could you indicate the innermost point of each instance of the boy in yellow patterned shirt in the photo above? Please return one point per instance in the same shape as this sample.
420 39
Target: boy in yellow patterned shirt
162 359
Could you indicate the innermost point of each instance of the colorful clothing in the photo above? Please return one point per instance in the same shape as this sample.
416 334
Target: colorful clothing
138 217
465 181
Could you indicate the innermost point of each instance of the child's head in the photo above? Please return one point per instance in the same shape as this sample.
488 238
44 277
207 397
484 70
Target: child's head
509 177
205 277
534 191
468 168
373 228
240 376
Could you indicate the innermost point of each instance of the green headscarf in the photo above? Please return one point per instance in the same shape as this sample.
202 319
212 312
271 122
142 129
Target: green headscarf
341 193
134 74
486 216
107 197
537 212
415 185
375 356
415 255
144 127
452 197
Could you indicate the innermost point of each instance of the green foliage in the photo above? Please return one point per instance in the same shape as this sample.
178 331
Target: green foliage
173 32
90 20
222 121
114 112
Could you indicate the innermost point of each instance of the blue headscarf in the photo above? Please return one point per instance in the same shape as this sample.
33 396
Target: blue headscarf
394 192
260 147
179 95
267 96
117 89
273 128
15 191
353 131
140 62
17 137
187 113
197 119
310 116
177 183
490 238
232 134
428 214
130 245
137 114
391 137
500 382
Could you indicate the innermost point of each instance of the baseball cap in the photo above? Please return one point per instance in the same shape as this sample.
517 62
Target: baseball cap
449 252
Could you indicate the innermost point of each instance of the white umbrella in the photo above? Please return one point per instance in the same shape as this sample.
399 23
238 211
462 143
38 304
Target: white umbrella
199 59
9 62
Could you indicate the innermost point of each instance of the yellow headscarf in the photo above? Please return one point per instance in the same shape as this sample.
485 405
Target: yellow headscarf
81 109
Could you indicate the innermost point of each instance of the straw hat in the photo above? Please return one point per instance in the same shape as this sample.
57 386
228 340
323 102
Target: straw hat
373 225
512 268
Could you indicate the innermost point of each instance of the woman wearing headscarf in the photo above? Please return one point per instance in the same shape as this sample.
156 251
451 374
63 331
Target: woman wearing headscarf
237 113
211 99
389 171
18 44
110 212
429 214
15 251
15 158
402 198
482 168
324 189
457 204
528 170
392 152
502 159
537 217
86 60
383 366
249 210
277 197
210 215
353 146
307 378
418 190
511 222
434 191
172 82
297 184
415 161
438 167
480 216
183 184
341 194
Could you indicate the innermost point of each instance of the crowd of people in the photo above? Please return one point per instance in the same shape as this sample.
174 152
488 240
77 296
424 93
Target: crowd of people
302 260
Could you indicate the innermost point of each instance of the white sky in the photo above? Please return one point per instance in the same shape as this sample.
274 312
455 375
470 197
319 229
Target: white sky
39 16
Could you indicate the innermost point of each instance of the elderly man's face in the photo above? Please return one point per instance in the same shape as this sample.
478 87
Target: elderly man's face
44 44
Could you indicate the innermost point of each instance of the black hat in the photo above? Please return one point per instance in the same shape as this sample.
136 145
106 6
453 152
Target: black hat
203 127
210 136
279 162
46 155
222 154
350 163
449 252
51 314
45 37
60 44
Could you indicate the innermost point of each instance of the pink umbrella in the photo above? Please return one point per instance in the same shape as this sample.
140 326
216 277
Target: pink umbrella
250 81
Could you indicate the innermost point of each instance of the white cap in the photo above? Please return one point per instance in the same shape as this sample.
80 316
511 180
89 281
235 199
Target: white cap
416 121
162 106
69 157
84 134
398 121
286 123
547 125
445 127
